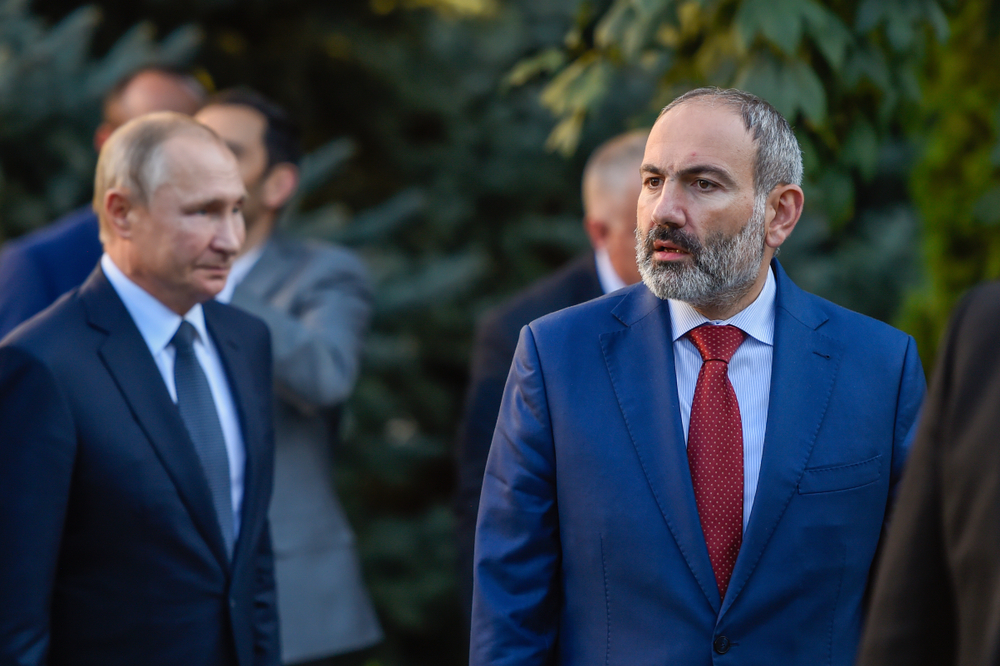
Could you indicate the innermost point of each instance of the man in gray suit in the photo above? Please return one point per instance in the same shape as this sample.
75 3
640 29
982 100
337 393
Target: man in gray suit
316 300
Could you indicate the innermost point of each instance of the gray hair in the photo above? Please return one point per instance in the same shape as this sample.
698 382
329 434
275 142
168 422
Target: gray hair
614 165
778 158
132 157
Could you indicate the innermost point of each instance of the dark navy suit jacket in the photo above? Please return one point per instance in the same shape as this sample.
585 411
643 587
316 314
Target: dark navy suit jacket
110 551
40 267
589 548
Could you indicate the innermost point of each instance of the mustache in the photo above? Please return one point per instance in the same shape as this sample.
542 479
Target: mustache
672 235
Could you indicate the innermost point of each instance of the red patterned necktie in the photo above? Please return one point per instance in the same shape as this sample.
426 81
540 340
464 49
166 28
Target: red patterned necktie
715 449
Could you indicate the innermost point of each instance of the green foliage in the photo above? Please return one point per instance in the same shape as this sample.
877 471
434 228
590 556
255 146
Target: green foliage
957 181
844 73
50 95
445 185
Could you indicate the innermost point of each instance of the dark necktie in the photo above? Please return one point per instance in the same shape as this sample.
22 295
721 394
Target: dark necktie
194 399
715 449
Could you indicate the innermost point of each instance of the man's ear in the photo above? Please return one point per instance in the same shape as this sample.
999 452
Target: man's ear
280 185
782 212
118 208
101 135
597 230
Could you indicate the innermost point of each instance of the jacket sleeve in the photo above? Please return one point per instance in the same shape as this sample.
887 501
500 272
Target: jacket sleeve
37 454
267 641
517 553
317 320
22 292
912 388
491 360
266 634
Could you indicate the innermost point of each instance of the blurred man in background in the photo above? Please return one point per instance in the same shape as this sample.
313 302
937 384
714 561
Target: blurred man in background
137 448
610 190
937 590
316 300
40 267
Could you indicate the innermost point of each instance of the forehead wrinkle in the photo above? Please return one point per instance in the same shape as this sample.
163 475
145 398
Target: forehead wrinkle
209 186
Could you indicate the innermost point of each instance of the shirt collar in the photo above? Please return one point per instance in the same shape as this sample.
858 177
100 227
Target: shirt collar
242 266
756 319
156 322
606 273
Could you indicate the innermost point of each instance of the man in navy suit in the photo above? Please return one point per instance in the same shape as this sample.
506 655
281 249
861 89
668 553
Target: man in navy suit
42 266
695 470
137 448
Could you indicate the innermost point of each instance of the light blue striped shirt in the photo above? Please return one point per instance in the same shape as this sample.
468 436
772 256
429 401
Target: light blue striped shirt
749 372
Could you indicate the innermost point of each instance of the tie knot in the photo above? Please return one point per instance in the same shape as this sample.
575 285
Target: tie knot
716 343
184 337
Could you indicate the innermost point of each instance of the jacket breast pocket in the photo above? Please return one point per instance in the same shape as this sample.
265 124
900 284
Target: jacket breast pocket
840 477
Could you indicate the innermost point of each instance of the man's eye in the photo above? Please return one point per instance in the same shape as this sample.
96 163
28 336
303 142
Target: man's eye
703 184
653 182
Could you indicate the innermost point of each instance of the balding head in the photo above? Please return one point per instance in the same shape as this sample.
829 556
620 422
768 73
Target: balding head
169 198
132 159
613 170
146 91
611 186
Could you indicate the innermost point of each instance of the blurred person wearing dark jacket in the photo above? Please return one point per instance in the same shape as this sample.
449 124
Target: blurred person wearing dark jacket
610 191
41 266
137 444
936 599
316 299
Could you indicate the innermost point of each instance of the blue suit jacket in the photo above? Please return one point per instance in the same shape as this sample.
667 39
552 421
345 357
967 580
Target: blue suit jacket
589 549
38 268
110 551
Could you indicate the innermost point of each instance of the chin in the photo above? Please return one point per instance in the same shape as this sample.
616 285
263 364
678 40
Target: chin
208 291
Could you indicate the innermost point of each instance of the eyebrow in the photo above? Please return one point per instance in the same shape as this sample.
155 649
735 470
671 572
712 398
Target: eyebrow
214 203
693 170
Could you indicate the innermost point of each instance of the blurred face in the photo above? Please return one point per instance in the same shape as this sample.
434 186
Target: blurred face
182 242
146 93
700 237
620 240
242 129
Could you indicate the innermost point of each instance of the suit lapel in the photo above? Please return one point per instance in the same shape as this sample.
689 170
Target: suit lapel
804 370
127 358
640 360
248 407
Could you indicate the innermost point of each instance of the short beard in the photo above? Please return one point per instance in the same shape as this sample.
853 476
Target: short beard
723 268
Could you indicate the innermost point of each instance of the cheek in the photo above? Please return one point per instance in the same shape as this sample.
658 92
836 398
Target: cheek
190 245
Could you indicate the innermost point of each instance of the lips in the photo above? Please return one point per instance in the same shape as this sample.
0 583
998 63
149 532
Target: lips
216 269
669 245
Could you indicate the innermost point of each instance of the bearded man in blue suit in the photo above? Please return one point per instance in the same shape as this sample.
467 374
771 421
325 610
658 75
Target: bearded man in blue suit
697 469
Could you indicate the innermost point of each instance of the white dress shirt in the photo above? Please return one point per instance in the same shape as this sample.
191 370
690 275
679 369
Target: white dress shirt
157 324
606 273
749 373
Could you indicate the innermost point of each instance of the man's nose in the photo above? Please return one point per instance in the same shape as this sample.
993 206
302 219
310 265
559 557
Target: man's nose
669 207
230 233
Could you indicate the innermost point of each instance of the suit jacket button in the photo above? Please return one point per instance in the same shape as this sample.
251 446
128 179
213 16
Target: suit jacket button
721 645
232 604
